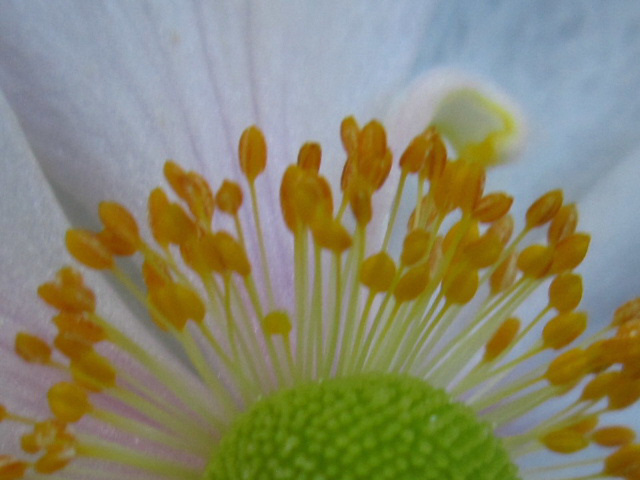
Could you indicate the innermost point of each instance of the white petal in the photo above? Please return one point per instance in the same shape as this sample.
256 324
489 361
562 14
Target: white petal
610 212
107 92
573 67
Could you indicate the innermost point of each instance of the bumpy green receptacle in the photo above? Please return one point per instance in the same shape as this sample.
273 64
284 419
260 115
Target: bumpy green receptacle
370 427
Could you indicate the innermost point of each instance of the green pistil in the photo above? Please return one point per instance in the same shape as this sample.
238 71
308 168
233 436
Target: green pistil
372 427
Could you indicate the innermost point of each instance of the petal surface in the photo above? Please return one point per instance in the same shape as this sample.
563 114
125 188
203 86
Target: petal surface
107 92
610 208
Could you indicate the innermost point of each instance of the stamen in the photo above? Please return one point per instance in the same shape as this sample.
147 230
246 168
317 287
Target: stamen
443 312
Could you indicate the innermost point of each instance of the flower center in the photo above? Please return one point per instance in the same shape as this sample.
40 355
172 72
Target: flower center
353 339
374 426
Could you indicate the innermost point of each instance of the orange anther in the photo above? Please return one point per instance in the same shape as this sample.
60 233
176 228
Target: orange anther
190 302
12 468
120 235
252 152
176 176
428 214
501 339
585 425
168 221
484 251
565 292
535 261
373 158
277 323
436 156
565 440
199 197
629 329
377 272
502 228
460 186
492 207
544 209
303 195
415 246
232 253
309 157
462 233
623 392
155 271
460 286
564 223
32 349
57 457
563 329
570 252
349 133
44 434
412 284
372 143
359 194
625 462
415 155
67 293
330 234
69 402
568 368
177 303
93 371
4 413
607 352
229 197
627 312
70 345
30 443
598 386
86 248
504 275
201 254
615 436
80 326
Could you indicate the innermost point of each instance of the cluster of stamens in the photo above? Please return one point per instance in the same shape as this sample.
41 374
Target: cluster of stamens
440 306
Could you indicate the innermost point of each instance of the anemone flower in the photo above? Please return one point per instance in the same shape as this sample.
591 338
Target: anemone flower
221 318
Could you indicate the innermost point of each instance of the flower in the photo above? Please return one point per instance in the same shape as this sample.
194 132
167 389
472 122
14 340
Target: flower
67 400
